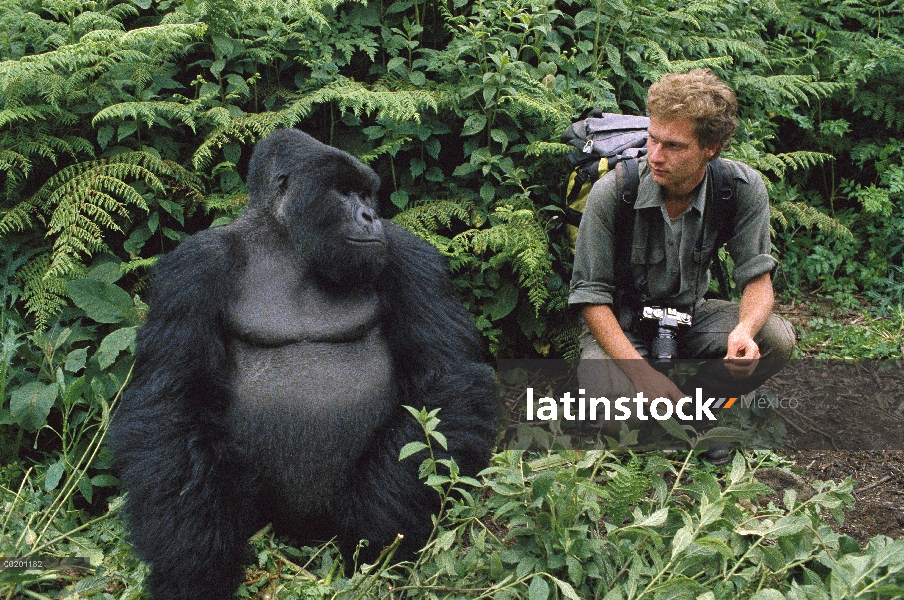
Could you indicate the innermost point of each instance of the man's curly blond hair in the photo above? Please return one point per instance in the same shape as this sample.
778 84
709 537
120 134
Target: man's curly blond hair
701 96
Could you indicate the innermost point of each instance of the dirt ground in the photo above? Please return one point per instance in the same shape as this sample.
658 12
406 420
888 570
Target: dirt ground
867 417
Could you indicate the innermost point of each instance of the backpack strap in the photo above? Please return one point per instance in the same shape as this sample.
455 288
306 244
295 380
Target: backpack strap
721 209
627 182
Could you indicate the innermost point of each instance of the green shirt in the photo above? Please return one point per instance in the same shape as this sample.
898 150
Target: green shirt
669 270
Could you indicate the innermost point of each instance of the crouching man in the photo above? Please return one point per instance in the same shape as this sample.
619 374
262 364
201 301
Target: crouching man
665 263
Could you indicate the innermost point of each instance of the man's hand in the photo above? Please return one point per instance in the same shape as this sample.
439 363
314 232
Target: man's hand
654 384
756 306
743 354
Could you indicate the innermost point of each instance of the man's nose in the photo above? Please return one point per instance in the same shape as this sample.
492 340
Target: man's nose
653 151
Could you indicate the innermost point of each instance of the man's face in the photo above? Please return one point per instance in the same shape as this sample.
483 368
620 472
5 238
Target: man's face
675 156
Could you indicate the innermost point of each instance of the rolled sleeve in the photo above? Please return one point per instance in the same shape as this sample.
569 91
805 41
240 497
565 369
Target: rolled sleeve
593 277
750 246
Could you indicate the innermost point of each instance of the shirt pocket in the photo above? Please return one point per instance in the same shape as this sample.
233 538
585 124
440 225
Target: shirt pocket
642 255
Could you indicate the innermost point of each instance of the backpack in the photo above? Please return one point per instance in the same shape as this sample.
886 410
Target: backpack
601 141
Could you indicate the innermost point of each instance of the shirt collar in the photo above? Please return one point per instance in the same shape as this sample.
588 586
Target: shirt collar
649 194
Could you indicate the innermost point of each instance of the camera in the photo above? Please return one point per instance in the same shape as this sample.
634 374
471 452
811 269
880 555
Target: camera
665 323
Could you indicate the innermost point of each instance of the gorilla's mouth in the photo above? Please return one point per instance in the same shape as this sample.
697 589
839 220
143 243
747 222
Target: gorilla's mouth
365 241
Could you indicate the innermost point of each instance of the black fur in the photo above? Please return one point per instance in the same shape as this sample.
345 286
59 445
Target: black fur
272 369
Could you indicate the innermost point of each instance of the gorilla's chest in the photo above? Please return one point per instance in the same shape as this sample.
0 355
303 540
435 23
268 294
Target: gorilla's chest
312 376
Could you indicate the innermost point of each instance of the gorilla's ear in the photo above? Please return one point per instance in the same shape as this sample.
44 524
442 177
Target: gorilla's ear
282 183
280 206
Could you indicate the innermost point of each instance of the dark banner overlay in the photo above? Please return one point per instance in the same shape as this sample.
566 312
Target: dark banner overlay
805 404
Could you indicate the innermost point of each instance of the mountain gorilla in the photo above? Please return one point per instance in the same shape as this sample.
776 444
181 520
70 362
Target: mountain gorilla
272 370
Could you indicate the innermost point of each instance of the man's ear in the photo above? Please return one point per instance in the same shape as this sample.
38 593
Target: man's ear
712 151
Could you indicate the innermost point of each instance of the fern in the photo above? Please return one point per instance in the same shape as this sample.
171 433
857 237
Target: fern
44 293
18 152
400 105
517 239
78 206
427 218
540 148
788 211
625 489
147 112
787 87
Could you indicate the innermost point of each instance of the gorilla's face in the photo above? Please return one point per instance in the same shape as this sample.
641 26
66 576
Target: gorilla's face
325 199
349 245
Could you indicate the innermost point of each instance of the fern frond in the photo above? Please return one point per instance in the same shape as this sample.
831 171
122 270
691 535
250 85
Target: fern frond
247 129
402 106
395 105
389 147
789 87
17 218
808 216
148 112
44 293
80 203
426 218
780 163
629 484
541 148
518 239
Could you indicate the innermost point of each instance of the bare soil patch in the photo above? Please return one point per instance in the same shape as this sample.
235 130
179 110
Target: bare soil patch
872 400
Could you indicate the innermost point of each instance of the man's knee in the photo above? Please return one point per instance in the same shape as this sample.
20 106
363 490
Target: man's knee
776 339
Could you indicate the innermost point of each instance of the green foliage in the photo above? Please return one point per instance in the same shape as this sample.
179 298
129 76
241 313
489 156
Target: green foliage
542 528
117 120
873 337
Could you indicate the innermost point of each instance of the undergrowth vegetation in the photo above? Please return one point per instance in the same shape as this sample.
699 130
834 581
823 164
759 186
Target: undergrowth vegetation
126 125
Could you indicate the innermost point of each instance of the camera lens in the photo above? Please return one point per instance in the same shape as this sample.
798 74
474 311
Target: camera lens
665 344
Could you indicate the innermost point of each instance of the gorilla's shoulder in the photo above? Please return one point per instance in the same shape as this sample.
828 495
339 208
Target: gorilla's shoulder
198 269
408 250
209 250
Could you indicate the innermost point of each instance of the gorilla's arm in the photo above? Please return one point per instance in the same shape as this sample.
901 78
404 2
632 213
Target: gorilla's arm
170 444
437 348
439 364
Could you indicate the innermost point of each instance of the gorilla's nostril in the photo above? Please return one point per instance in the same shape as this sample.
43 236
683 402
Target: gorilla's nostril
364 214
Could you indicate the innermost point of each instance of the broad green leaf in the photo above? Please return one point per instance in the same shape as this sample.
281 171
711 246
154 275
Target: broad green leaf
417 78
725 434
738 468
101 301
768 594
503 302
411 448
54 474
674 428
682 540
30 404
75 360
657 519
678 588
84 486
474 124
538 590
113 344
566 588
